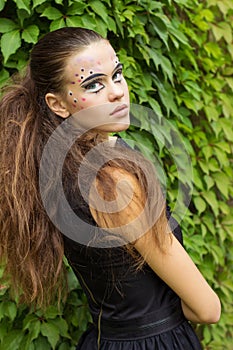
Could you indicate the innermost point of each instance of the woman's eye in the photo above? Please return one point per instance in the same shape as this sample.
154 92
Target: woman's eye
94 86
117 76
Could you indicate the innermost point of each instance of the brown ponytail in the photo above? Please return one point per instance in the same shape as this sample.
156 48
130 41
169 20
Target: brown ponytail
30 246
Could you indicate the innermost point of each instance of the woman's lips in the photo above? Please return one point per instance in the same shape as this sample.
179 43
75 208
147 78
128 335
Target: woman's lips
120 111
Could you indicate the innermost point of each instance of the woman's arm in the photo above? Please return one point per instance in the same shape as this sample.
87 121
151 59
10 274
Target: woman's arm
199 302
173 265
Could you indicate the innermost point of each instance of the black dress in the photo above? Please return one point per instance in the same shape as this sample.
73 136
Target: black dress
131 309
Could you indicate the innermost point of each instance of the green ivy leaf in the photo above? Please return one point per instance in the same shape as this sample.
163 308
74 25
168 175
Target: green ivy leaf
23 5
227 32
213 165
102 28
26 343
34 330
51 332
209 181
62 325
226 126
166 94
51 13
177 33
100 9
41 343
3 331
208 221
2 4
10 42
213 50
155 106
211 199
207 334
118 23
7 25
224 6
12 340
221 157
197 179
203 230
193 88
161 60
111 25
57 24
64 346
224 208
222 182
207 14
216 252
90 22
217 31
230 49
227 105
28 320
200 204
129 15
30 34
160 28
51 312
4 75
207 151
230 82
37 3
225 146
76 9
74 21
11 310
211 112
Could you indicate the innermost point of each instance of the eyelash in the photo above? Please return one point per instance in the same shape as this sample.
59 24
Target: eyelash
119 71
87 87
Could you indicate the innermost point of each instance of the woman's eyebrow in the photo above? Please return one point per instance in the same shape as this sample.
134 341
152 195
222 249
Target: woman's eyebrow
119 65
92 77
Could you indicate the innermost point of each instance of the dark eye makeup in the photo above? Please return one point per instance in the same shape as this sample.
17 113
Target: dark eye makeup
97 84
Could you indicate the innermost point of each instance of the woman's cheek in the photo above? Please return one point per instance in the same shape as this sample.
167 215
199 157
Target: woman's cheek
83 103
77 102
73 99
88 100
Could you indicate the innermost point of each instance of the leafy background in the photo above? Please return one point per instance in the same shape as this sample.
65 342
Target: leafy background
177 58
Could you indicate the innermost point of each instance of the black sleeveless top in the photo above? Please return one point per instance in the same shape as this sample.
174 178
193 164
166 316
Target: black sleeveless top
131 309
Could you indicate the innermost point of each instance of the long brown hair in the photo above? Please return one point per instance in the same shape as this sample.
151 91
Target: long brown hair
31 247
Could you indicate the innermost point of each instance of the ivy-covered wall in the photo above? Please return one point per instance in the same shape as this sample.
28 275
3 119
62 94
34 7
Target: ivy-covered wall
177 58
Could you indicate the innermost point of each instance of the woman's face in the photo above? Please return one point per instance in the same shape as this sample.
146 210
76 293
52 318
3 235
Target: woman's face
96 93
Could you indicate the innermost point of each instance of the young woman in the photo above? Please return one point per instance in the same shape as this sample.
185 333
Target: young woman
142 287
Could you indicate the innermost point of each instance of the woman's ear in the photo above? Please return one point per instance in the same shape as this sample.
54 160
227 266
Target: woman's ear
56 104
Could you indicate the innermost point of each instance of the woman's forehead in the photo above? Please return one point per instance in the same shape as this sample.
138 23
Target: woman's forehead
96 56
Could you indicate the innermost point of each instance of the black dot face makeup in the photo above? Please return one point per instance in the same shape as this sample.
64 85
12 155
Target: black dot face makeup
81 77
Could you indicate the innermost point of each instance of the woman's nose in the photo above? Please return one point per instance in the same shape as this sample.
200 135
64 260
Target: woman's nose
116 92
